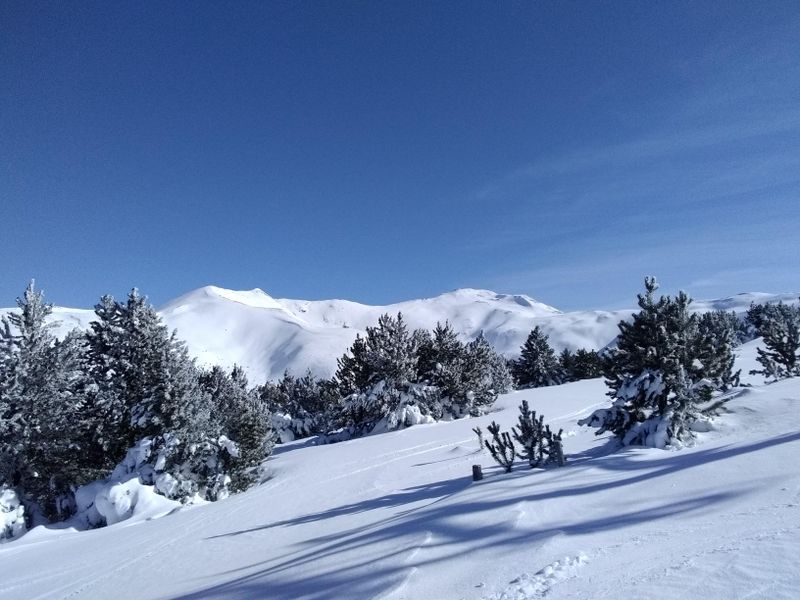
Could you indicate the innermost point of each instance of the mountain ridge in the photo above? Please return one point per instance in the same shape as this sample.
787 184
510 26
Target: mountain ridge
267 335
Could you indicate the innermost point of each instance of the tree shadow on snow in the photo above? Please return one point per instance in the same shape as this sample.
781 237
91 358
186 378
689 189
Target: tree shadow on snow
366 561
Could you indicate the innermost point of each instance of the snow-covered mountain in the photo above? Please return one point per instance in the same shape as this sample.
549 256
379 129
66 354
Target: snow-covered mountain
267 336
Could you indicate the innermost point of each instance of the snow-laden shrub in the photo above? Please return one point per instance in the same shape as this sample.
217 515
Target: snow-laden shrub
179 470
384 407
288 428
12 514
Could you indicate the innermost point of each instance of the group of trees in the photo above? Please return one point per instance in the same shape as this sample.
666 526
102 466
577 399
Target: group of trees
123 398
123 395
394 377
779 327
389 378
538 365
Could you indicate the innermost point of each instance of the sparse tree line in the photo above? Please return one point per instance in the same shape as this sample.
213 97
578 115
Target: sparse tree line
667 369
124 398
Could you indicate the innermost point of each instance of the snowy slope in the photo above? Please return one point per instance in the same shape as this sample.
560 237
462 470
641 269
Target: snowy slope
268 336
397 516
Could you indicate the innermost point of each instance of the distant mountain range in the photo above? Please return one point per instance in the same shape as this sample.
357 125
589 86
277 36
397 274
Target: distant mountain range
267 336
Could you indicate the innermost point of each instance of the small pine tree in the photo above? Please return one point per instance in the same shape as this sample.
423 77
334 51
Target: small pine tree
501 447
538 365
540 446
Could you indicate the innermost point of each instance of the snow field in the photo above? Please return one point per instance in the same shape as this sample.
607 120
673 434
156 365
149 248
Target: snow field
397 516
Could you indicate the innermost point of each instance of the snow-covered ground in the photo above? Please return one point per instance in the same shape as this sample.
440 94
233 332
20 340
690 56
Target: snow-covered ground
397 516
267 336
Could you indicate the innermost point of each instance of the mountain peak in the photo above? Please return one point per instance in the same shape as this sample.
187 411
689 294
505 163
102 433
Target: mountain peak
472 294
255 298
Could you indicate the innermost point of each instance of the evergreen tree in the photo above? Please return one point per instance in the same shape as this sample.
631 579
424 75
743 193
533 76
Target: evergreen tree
566 361
352 374
540 446
107 397
41 425
485 375
538 365
501 447
586 364
716 337
657 375
779 327
390 352
242 419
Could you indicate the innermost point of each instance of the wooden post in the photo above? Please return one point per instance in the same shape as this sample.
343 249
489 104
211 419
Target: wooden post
477 474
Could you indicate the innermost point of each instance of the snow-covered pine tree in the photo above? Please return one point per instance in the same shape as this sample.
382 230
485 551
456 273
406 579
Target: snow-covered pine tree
301 406
445 361
779 327
485 376
174 442
41 402
391 398
537 365
245 425
391 351
107 397
715 340
656 376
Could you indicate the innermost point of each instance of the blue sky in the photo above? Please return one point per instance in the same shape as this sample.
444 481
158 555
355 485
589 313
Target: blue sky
383 151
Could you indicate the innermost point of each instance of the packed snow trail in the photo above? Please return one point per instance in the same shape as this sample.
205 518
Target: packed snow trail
397 516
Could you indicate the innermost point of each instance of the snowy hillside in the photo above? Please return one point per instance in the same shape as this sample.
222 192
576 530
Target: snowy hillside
397 516
268 336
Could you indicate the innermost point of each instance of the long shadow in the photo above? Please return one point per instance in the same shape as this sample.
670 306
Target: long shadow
439 491
359 553
367 577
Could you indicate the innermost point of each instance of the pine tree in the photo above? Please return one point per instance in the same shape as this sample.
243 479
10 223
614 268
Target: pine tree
107 397
716 337
779 327
538 365
501 447
656 374
587 364
485 375
540 446
390 352
41 425
244 420
566 362
352 374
